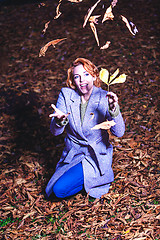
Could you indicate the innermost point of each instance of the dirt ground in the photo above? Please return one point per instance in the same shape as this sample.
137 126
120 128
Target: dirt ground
29 152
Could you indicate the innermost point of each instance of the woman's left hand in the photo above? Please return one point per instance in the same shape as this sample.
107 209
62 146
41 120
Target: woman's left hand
112 100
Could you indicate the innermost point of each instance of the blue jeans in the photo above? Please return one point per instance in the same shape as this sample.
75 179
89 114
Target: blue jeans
70 183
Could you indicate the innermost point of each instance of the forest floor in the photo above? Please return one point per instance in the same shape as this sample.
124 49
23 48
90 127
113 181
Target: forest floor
29 152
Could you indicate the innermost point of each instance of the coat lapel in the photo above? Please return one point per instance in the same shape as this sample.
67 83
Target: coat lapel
92 105
75 110
91 108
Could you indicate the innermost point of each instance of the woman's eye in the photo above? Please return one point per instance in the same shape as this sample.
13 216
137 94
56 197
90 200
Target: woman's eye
76 77
86 74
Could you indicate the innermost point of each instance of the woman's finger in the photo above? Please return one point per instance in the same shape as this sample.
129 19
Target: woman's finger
53 106
112 96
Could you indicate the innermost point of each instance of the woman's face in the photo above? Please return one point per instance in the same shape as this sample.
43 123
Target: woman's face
83 80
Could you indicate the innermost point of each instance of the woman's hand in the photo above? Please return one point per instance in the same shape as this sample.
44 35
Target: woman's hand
58 113
112 100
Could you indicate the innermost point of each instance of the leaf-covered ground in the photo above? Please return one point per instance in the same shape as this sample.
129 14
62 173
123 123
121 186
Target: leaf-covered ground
29 84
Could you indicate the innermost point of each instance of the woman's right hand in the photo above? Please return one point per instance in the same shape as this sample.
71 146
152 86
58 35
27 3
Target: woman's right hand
58 113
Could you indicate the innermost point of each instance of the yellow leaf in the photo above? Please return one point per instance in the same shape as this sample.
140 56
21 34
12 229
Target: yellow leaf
114 75
125 232
120 79
104 75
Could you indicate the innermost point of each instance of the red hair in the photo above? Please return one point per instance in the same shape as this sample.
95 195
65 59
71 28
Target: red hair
88 66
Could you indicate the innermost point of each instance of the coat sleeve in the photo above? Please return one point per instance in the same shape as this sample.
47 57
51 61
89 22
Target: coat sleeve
56 128
119 128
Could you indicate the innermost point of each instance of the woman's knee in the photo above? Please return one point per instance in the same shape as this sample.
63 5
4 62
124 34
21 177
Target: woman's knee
58 190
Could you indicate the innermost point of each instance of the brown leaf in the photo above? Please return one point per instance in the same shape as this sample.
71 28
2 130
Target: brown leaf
28 215
104 125
53 43
75 1
58 13
94 19
106 45
129 24
108 14
90 10
113 3
45 27
30 198
95 32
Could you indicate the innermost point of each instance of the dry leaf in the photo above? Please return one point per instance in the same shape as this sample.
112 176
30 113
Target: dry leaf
104 125
94 19
53 43
90 10
134 28
45 27
113 3
94 31
129 24
104 75
75 1
106 45
114 75
28 215
108 14
58 13
120 79
41 5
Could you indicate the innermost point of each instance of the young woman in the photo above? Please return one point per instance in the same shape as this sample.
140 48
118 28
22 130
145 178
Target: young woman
86 161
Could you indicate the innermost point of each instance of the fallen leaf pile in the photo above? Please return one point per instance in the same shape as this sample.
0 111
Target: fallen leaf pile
29 152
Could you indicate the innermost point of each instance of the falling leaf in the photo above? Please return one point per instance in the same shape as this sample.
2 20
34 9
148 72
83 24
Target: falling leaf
94 19
104 75
41 5
113 3
58 13
53 43
134 28
75 1
94 31
104 125
108 14
129 24
106 45
120 79
90 10
45 27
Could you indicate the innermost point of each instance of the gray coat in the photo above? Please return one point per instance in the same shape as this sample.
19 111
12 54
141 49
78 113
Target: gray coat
91 147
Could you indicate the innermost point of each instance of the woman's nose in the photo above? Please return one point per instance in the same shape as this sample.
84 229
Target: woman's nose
81 78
